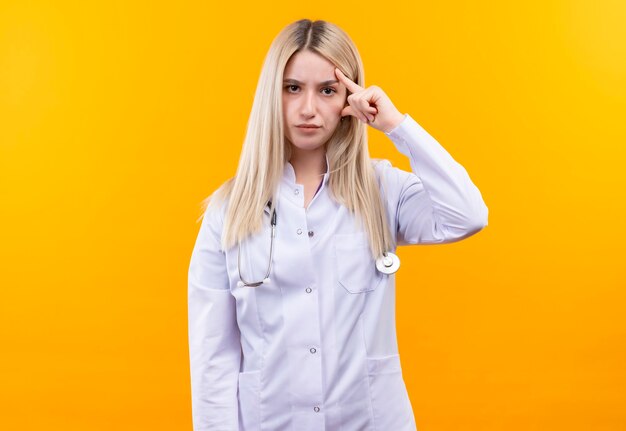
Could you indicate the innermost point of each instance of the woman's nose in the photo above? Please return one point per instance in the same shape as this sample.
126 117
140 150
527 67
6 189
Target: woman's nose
308 103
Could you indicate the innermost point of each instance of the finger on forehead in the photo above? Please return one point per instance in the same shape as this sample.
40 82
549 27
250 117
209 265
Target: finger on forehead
351 85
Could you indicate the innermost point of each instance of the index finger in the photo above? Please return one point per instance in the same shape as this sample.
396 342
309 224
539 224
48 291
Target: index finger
352 86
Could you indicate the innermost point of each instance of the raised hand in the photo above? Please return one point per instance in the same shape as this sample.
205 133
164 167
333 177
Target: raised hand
370 105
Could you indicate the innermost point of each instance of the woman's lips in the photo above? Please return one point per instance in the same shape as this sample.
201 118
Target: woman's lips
308 129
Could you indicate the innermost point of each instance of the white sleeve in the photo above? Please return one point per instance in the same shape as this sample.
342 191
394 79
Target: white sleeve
214 337
437 201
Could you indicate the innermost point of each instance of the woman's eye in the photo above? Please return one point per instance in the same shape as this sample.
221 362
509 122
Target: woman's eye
292 87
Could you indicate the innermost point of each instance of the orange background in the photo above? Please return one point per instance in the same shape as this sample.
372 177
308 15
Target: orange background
118 118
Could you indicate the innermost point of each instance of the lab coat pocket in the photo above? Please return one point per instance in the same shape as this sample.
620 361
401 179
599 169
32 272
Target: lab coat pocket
390 400
248 395
354 264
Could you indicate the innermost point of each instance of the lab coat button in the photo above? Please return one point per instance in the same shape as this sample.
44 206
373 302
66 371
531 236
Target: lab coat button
311 233
316 408
313 350
296 191
299 231
308 290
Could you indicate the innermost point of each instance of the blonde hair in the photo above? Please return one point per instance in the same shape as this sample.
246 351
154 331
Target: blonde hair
352 180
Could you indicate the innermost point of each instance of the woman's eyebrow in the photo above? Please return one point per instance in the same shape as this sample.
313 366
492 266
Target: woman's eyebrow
295 81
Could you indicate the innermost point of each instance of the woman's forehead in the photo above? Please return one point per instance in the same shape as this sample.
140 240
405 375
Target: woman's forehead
306 66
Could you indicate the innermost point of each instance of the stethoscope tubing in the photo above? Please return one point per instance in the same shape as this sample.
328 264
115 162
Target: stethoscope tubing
389 263
269 265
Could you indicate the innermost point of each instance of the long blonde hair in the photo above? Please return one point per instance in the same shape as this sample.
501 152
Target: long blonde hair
352 179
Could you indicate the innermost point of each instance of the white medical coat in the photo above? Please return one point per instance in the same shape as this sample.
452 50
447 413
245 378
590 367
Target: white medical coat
316 349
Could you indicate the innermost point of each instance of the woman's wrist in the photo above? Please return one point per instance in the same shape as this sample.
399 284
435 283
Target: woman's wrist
397 118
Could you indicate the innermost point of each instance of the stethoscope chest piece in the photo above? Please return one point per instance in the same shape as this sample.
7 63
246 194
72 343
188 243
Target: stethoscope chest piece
388 263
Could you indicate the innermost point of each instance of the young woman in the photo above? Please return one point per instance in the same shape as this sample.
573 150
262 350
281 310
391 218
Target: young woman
291 280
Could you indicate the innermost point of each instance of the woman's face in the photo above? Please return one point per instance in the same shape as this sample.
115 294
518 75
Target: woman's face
311 95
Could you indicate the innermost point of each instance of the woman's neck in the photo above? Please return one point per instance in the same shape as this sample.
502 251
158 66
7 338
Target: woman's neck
309 165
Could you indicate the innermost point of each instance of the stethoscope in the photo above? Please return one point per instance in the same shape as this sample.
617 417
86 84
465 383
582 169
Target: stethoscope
388 263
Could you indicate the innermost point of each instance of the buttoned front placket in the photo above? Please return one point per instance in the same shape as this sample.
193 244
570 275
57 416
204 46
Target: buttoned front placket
301 308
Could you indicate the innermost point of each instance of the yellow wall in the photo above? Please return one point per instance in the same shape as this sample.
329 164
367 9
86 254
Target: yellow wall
118 118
